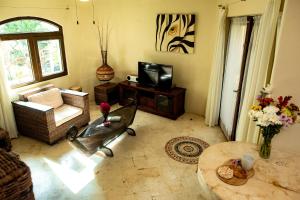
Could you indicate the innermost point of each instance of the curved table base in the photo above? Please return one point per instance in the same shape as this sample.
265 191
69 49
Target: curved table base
131 132
206 192
107 151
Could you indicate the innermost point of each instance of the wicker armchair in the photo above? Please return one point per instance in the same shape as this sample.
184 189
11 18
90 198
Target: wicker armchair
38 121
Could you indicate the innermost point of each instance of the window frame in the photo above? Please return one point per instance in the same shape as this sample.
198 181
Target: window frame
32 39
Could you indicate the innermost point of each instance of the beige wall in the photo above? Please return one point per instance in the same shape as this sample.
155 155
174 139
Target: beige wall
285 78
132 40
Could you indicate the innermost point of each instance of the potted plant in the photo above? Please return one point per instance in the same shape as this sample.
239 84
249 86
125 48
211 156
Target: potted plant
271 115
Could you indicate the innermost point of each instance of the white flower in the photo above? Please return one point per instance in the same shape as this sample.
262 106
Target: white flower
268 116
255 114
268 89
270 109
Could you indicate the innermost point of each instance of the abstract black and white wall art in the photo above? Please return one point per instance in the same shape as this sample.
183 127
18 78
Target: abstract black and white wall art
175 33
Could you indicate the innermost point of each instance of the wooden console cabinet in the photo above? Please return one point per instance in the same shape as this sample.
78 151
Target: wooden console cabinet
107 92
166 103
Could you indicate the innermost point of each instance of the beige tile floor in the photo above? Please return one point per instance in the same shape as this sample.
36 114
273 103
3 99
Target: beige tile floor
139 170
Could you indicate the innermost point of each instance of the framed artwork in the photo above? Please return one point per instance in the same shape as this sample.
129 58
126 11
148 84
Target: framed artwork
175 33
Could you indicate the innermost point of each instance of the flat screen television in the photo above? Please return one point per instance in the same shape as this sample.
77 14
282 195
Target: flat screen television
155 75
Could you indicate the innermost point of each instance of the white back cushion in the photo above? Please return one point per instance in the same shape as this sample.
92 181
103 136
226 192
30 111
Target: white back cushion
50 97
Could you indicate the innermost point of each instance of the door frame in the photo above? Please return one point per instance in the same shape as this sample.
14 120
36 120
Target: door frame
250 22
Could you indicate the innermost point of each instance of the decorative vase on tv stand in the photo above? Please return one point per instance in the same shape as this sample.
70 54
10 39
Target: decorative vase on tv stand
104 72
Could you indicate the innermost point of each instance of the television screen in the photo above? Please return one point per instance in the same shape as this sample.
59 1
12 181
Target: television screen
155 75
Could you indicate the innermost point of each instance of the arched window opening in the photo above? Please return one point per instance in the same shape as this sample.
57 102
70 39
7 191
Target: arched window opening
33 50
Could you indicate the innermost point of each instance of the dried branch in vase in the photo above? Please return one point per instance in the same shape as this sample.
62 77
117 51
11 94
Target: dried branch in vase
104 72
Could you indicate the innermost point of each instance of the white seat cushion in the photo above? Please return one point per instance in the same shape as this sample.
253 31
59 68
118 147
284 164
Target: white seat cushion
50 97
66 113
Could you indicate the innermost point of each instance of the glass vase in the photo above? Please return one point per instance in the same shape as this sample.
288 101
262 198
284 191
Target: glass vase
105 115
265 148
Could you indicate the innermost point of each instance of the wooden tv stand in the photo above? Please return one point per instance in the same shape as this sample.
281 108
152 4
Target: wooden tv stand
166 103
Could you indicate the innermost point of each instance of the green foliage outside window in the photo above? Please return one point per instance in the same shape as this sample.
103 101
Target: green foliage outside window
26 26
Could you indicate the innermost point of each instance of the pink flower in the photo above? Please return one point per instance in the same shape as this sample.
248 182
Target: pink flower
286 121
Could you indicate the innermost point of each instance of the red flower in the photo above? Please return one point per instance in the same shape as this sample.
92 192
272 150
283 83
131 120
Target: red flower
283 102
294 107
104 107
264 101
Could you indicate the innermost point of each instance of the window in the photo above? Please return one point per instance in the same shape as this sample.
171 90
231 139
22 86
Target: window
33 50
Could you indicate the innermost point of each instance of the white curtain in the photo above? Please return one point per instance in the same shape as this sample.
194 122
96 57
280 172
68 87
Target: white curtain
216 77
278 32
7 119
257 69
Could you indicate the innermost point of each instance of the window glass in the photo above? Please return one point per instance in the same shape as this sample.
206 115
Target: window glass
27 26
17 61
50 57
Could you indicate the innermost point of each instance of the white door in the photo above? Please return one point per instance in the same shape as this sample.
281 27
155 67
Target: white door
232 73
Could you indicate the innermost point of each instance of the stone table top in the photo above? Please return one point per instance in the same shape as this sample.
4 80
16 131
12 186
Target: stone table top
275 178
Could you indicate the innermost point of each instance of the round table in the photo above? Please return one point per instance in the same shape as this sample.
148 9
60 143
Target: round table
275 178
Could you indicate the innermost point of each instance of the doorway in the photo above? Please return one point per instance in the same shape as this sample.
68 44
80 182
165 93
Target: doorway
235 64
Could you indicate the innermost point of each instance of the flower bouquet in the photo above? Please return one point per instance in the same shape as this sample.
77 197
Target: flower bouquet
104 108
271 115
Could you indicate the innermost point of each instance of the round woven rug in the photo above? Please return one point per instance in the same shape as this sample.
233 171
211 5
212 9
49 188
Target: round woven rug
185 149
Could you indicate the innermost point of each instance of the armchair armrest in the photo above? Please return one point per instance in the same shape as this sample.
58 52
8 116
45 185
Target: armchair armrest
74 98
73 92
34 106
32 116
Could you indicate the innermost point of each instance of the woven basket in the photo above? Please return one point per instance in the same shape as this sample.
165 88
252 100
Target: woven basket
15 178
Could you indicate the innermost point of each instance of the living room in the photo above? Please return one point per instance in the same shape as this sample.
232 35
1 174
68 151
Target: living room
254 40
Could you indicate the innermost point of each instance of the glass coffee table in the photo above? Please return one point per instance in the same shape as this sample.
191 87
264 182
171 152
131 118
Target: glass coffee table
96 136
